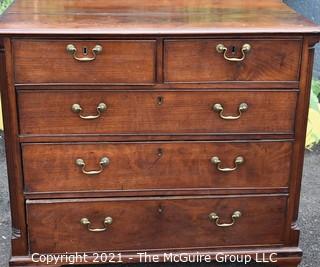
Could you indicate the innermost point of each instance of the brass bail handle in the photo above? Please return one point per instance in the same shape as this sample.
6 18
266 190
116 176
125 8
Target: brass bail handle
76 108
214 217
107 221
216 161
72 50
219 109
104 162
222 49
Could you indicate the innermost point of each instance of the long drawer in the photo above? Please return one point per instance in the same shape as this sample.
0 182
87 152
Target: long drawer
161 112
154 223
77 61
211 60
155 166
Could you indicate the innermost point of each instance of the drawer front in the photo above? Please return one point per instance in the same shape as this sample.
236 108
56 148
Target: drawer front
128 112
119 61
199 60
155 166
154 223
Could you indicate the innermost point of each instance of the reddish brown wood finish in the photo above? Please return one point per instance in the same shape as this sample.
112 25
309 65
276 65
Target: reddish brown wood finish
219 85
121 61
49 112
155 166
156 193
148 223
198 60
293 231
14 169
177 17
151 49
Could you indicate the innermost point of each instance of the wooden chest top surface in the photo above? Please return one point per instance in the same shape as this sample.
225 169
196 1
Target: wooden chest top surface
152 17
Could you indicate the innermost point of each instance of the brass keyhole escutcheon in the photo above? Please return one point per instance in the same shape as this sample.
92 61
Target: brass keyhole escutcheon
160 209
222 49
160 100
159 152
72 50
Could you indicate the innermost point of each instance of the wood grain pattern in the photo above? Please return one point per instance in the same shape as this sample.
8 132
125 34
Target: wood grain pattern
155 166
134 112
198 61
154 223
292 230
121 61
152 17
13 156
159 201
153 137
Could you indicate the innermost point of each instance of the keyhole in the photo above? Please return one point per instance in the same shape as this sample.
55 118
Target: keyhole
233 49
160 100
160 208
160 152
85 51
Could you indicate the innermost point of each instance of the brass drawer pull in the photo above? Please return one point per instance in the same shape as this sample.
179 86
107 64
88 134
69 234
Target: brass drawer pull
76 108
219 109
214 217
71 49
216 161
222 49
104 162
107 221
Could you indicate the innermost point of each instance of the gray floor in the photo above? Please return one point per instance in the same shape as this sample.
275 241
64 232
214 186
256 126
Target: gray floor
309 212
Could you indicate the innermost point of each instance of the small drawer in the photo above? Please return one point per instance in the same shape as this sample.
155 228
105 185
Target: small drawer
74 61
210 60
159 166
162 112
77 225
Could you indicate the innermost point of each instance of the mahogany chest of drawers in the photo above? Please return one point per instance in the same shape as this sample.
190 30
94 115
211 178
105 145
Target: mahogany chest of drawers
155 126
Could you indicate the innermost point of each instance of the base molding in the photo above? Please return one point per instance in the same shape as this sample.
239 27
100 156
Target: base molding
282 257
